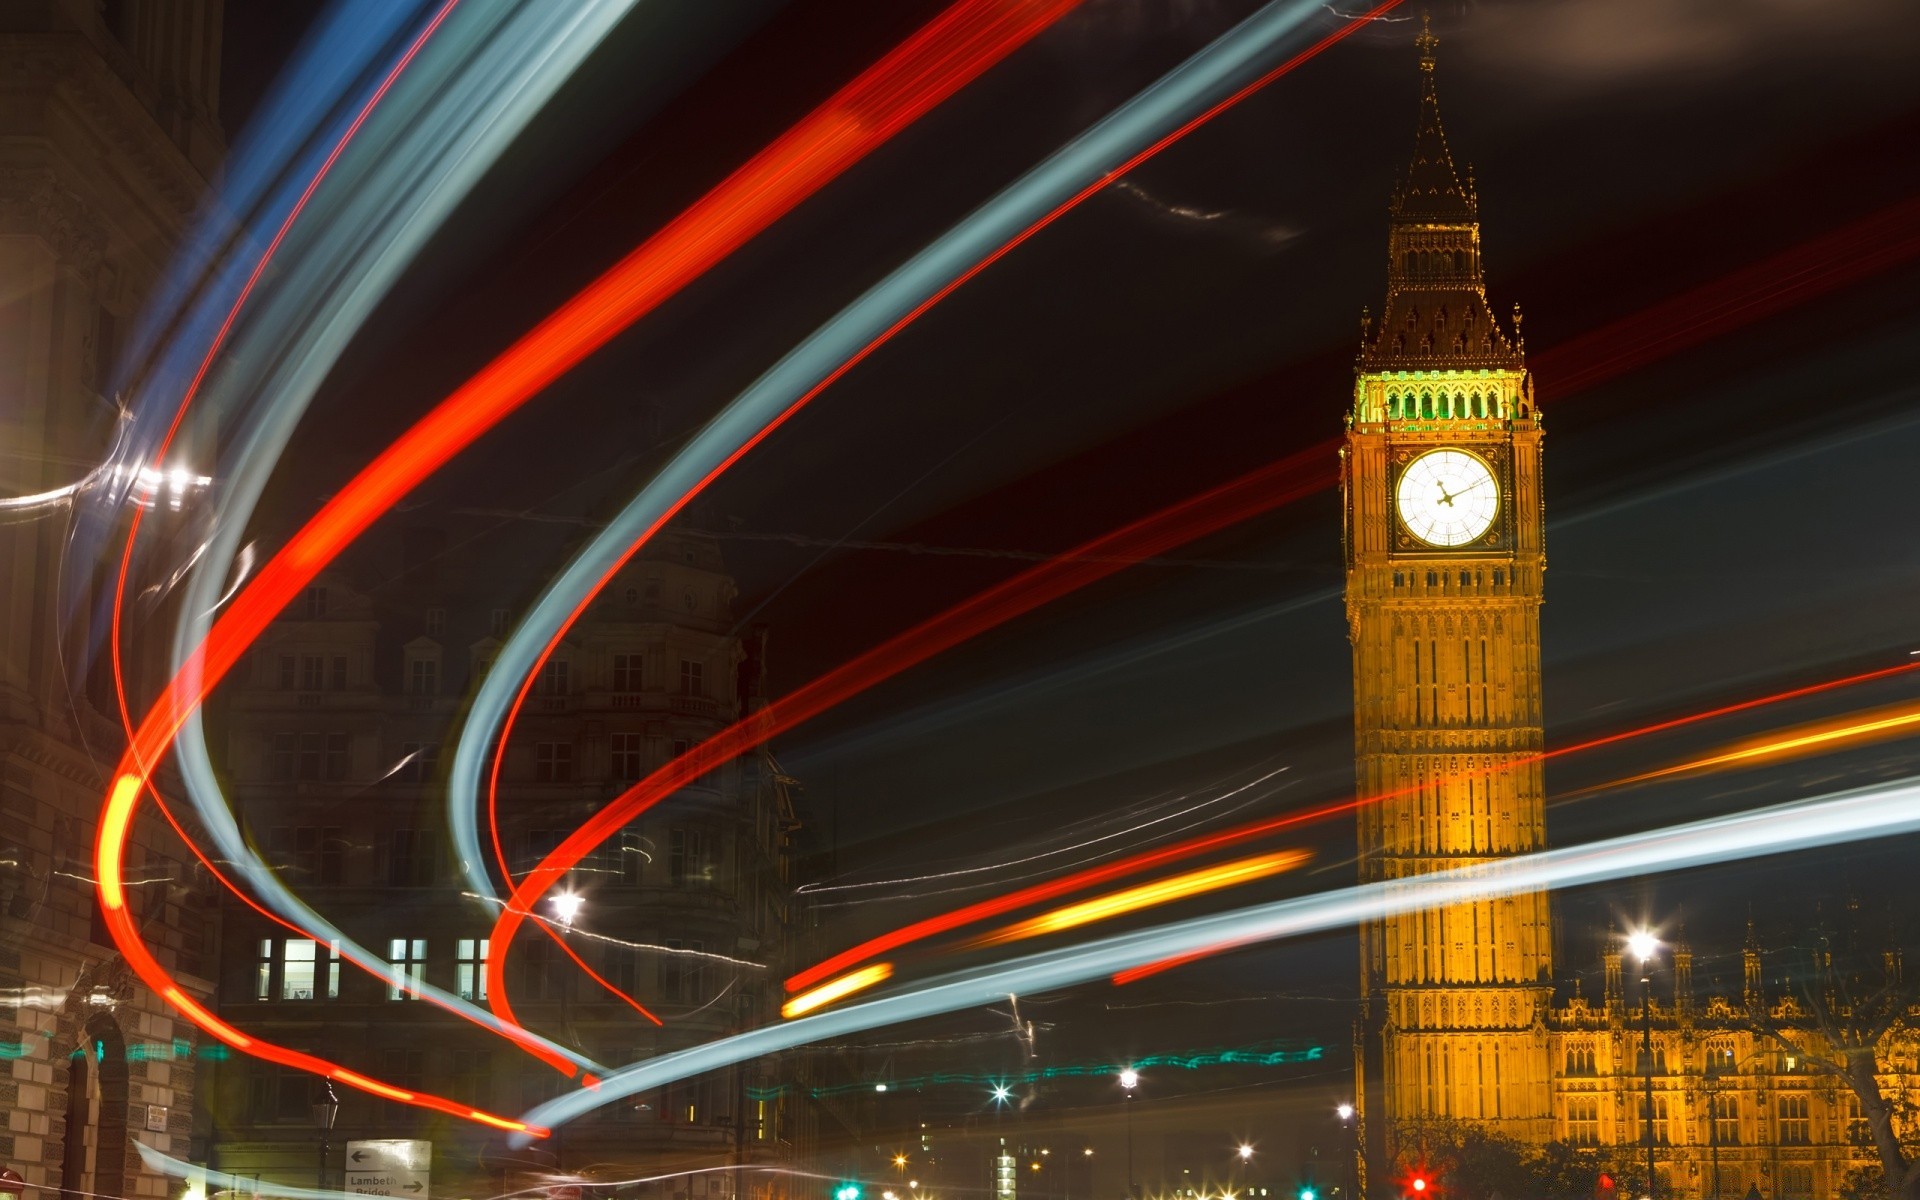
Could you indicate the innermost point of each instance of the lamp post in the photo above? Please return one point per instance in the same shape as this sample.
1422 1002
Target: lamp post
326 1109
1644 944
1348 1151
1129 1080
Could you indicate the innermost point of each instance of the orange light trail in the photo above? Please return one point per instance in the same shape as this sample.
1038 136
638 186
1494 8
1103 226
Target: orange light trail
837 989
1893 721
1120 868
1147 895
115 819
956 47
1260 490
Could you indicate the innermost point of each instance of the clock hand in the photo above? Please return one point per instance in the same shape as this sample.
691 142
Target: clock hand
1444 497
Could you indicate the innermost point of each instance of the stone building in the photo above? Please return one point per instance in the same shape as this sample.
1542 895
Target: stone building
108 139
1734 1109
335 738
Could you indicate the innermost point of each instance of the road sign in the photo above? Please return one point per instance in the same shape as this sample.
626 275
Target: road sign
389 1167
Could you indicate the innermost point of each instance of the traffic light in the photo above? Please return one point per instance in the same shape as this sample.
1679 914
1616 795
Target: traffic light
1419 1185
1306 1192
847 1191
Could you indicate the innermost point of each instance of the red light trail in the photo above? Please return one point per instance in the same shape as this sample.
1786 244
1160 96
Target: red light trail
960 44
885 660
1021 898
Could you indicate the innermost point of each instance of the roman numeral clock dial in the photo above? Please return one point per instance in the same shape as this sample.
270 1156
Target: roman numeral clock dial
1447 497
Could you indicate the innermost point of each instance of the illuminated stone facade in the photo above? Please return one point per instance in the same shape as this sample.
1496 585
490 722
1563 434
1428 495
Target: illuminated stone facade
1459 1019
1446 659
1734 1109
110 140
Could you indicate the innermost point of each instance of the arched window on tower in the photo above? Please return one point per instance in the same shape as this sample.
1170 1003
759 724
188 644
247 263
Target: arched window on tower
1426 405
1478 411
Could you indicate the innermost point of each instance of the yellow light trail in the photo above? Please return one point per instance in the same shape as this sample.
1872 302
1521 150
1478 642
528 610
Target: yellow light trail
1148 895
1870 725
835 989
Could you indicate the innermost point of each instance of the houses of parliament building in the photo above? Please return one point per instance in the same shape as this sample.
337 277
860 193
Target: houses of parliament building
1462 1016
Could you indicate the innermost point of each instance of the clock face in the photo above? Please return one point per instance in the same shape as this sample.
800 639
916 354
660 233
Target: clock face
1447 497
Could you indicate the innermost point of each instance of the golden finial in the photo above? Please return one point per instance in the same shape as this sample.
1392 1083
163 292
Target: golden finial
1426 41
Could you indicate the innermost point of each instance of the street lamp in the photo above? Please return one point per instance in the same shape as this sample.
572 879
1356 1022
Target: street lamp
1129 1080
1643 946
326 1109
1344 1111
566 906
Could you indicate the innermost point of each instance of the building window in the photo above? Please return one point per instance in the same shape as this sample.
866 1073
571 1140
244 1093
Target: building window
626 757
1580 1060
1796 1181
289 672
626 672
497 622
315 855
691 681
313 675
1796 1129
307 972
635 854
408 959
423 677
540 974
552 680
1659 1120
689 857
1726 1120
436 622
339 683
470 977
473 1076
411 858
263 971
1583 1121
683 977
553 762
313 603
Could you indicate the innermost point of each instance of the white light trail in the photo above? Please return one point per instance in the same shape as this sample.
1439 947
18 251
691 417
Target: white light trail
1880 811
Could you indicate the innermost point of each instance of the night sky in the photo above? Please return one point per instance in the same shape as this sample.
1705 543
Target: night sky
1724 520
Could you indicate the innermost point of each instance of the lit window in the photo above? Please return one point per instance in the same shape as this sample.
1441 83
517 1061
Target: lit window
263 977
471 975
307 973
408 959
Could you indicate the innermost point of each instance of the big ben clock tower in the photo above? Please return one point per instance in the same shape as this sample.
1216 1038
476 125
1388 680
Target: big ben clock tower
1441 475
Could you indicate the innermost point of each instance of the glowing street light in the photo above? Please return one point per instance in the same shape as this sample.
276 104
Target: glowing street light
1129 1078
1000 1093
1344 1112
1642 944
567 906
1246 1152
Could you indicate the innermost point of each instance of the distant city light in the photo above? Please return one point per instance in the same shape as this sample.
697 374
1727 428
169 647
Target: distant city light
879 1087
1246 1153
1001 1092
1344 1112
1129 1078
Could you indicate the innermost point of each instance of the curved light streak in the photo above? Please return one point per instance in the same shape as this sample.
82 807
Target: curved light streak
477 91
1880 811
837 989
1156 118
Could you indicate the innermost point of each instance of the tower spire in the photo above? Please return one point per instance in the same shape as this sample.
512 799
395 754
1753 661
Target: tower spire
1431 189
